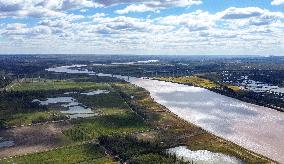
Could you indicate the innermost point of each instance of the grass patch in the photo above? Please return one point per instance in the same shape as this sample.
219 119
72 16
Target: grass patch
17 108
56 85
111 111
87 153
234 88
109 100
117 121
132 150
35 117
192 80
115 117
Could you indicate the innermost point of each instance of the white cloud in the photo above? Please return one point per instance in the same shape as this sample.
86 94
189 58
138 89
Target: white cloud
15 26
135 8
41 8
83 10
126 25
240 17
195 21
277 2
234 30
23 31
97 16
56 8
241 13
154 5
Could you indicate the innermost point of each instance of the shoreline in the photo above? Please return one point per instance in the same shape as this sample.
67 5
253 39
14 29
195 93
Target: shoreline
235 139
220 93
234 148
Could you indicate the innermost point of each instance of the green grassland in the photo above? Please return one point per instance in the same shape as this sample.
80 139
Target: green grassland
115 117
56 85
85 153
16 107
199 82
109 100
131 150
191 80
92 128
35 117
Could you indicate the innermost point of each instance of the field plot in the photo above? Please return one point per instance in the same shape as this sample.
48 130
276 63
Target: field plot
17 106
31 139
115 117
88 153
112 116
56 85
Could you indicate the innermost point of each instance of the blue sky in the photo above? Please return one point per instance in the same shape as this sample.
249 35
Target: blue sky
166 27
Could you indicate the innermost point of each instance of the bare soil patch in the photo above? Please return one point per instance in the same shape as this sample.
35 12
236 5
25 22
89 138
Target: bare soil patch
32 139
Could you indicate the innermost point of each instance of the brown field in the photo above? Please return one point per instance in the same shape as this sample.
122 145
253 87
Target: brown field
35 138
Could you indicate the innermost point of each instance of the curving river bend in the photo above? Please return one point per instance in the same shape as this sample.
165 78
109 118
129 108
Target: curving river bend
254 127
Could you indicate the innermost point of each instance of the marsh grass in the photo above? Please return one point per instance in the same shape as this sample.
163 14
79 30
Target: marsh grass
56 85
116 121
192 80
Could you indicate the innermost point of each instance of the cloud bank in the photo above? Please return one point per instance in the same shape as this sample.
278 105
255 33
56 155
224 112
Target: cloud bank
57 28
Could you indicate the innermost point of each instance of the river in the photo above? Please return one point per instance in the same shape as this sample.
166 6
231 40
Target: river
253 127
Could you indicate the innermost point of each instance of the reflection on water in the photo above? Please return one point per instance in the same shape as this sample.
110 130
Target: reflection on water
65 100
256 128
245 124
75 109
74 69
6 143
95 92
68 93
202 156
79 112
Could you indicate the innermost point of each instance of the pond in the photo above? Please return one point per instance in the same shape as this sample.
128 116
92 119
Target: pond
6 143
95 92
75 109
